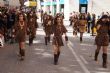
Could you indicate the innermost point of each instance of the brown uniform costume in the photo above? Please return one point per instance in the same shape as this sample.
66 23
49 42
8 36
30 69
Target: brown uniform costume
20 32
32 27
75 26
102 38
58 31
48 27
35 20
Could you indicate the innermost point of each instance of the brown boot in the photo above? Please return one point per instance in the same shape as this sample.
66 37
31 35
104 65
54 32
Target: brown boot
96 55
49 39
58 54
104 56
22 54
55 59
80 39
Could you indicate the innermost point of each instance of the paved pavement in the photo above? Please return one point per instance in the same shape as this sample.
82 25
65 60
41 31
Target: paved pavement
75 57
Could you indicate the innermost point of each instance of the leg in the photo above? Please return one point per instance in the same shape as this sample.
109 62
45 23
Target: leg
104 56
81 35
59 49
88 27
97 52
46 39
55 48
22 50
29 40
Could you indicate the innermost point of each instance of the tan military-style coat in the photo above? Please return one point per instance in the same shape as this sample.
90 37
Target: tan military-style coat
82 25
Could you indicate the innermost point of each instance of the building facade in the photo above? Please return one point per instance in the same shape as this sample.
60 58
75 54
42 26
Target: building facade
53 6
13 3
83 6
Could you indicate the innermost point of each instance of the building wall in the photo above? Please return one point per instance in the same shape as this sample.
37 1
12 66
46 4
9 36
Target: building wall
14 3
99 6
11 3
74 5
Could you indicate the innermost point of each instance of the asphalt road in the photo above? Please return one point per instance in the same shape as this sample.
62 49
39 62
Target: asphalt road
75 57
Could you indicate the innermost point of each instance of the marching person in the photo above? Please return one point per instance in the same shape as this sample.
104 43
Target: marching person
58 30
48 28
102 39
32 25
20 32
44 19
75 25
82 26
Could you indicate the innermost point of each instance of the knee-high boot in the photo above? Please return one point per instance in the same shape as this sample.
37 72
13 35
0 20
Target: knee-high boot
104 56
22 54
29 40
55 59
96 55
58 54
48 38
80 39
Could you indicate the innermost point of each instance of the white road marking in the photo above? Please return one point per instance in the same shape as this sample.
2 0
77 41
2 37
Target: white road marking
78 59
83 59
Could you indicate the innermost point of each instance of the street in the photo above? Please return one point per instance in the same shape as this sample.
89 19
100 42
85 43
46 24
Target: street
75 57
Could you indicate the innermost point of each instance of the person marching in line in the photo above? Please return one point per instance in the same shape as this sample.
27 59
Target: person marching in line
48 28
58 30
32 25
75 25
20 32
44 19
102 39
82 26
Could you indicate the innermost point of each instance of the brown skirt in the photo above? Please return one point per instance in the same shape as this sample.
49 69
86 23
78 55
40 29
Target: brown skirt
57 41
102 40
20 37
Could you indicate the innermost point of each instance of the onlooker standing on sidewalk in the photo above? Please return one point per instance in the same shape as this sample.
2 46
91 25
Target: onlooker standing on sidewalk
89 22
93 20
